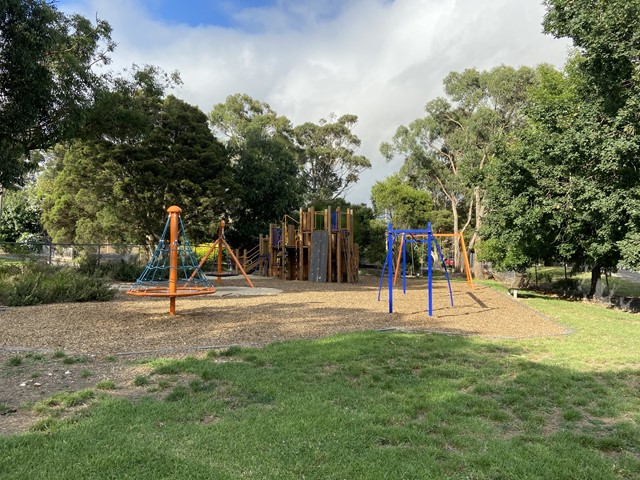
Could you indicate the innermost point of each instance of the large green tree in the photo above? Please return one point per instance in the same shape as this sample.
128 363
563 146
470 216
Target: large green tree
117 185
21 218
448 150
265 164
328 156
401 204
569 188
607 35
47 80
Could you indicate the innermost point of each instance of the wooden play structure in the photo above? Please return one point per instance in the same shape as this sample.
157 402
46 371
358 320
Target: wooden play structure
317 247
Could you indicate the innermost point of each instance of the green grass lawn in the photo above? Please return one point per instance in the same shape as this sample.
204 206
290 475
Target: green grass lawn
377 405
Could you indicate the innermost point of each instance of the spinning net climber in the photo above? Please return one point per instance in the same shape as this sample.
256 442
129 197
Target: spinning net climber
173 269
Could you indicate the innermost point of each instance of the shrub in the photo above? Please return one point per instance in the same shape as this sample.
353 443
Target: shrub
120 270
566 285
40 284
124 271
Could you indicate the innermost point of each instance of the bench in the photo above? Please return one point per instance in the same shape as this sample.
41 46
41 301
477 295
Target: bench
512 281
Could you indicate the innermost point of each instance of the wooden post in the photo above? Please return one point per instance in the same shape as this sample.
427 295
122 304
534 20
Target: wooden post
220 235
174 213
350 273
273 252
338 246
300 245
312 226
327 225
283 250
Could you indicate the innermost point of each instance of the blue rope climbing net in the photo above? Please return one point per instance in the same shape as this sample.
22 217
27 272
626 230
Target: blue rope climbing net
156 274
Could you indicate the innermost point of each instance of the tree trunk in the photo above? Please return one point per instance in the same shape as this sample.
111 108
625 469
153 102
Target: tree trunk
595 276
477 265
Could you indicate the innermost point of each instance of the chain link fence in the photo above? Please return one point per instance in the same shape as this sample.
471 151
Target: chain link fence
69 253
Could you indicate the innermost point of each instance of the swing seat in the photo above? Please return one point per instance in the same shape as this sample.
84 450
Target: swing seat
221 274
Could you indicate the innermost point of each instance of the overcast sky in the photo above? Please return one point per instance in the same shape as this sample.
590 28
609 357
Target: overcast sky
381 60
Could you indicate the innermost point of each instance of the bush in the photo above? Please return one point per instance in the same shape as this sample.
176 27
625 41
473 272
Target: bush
40 284
566 285
211 263
121 270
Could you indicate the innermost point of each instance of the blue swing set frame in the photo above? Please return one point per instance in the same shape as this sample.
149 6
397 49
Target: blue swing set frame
410 236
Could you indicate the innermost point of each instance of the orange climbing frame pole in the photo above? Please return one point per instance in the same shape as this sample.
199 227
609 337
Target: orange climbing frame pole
174 213
220 243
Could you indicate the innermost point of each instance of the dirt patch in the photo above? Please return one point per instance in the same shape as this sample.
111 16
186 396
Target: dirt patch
104 338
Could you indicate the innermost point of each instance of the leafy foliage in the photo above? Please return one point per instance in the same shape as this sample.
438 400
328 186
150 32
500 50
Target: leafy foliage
118 186
568 186
448 150
401 204
46 79
123 271
265 162
328 155
20 216
38 284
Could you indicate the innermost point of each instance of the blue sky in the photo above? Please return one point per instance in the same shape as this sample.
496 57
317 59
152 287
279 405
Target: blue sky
242 15
239 14
381 60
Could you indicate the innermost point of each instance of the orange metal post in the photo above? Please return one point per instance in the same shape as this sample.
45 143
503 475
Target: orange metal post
220 235
235 259
395 275
174 213
467 269
204 259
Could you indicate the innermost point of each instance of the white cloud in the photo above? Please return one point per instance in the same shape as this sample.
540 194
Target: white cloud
379 60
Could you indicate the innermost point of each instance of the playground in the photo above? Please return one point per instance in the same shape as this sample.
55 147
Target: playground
130 325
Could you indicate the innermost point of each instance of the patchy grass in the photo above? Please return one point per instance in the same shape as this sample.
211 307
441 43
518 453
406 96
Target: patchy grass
15 361
106 385
141 381
370 405
73 360
62 401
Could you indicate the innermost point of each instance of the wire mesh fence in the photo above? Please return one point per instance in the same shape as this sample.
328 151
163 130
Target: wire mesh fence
69 253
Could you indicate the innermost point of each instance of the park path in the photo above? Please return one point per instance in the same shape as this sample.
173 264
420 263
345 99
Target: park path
628 275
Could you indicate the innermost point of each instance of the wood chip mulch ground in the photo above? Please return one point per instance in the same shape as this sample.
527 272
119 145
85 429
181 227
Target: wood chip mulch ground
302 310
